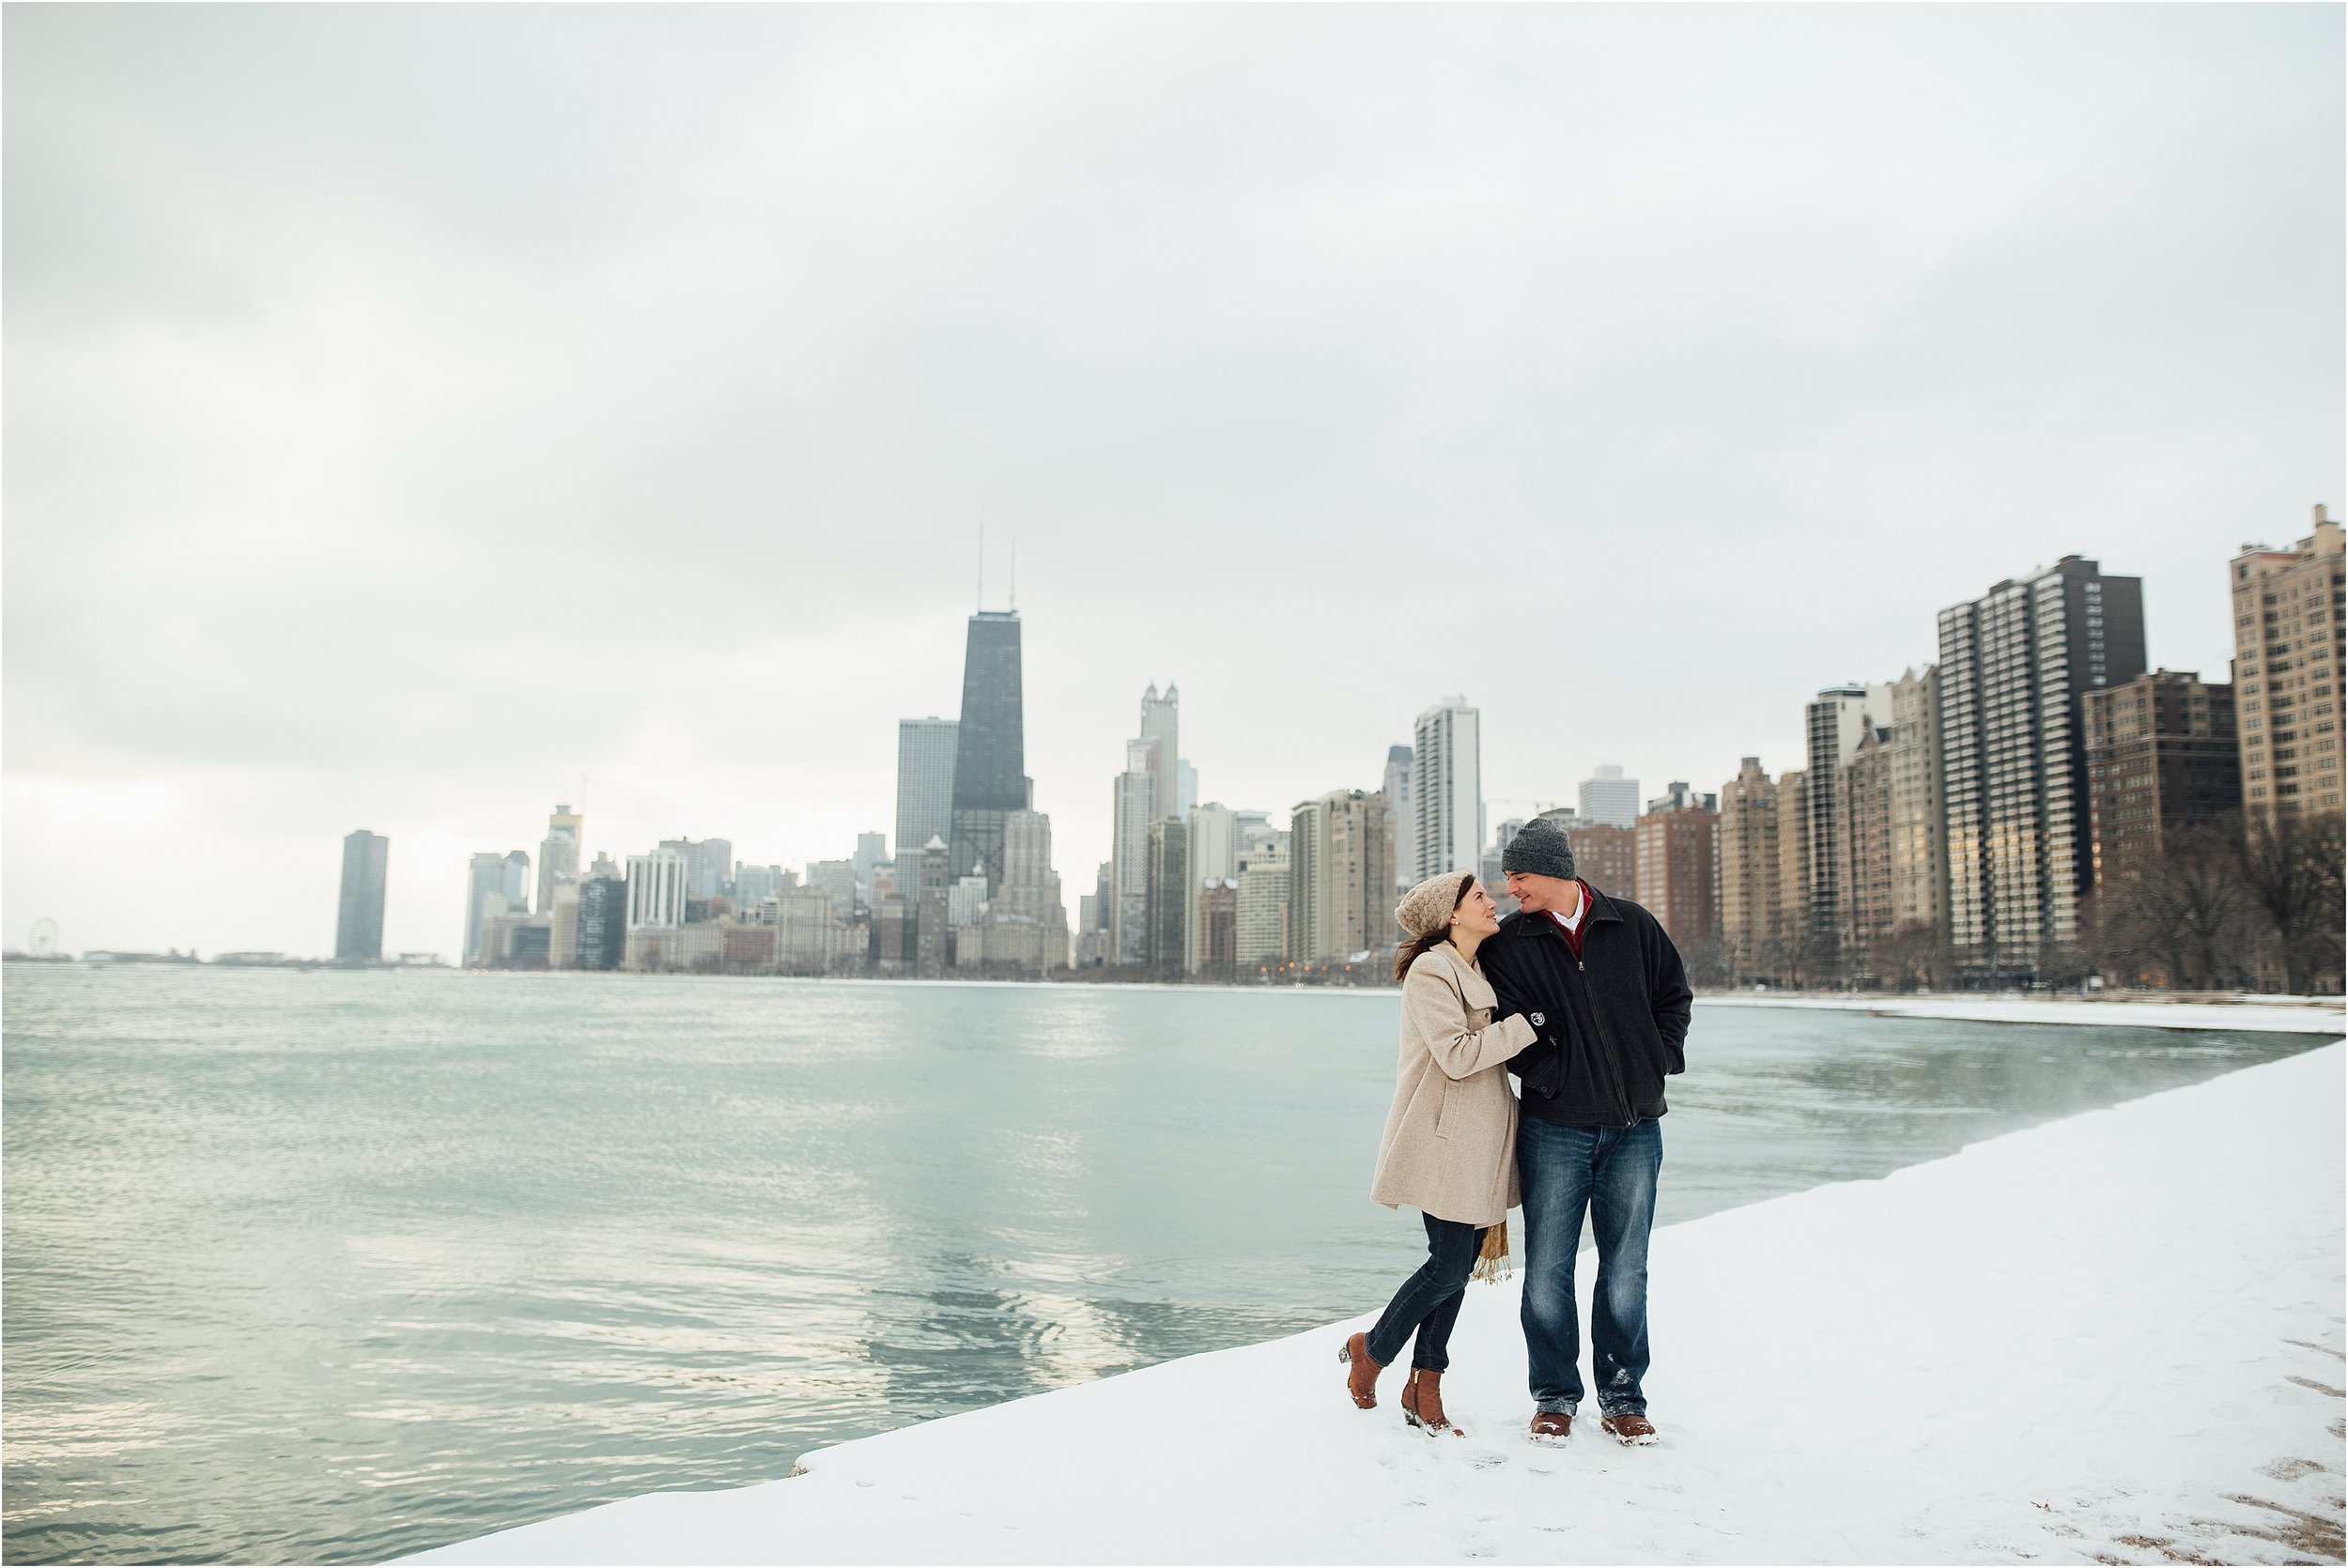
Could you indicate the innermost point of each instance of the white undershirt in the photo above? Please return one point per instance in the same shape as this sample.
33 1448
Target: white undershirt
1581 908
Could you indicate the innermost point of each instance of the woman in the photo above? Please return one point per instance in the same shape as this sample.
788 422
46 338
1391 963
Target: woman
1450 1144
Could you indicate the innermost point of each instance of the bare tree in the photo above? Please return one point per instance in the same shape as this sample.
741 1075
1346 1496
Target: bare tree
1707 964
2291 872
2184 918
1914 957
1804 955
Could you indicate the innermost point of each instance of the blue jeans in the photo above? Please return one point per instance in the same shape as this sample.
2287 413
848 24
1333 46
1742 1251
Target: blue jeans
1428 1300
1610 1172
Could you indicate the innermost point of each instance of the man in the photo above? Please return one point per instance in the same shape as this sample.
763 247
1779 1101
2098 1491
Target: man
1603 985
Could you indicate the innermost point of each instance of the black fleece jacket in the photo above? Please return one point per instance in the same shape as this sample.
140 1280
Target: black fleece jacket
1612 1023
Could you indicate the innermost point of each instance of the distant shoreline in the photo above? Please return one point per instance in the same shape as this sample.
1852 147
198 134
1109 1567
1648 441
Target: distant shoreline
2239 1011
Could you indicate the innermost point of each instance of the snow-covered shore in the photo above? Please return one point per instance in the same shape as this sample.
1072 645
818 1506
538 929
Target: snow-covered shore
2112 1338
2303 1016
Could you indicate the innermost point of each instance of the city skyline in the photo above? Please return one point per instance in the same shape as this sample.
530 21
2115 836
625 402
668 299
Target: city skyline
286 559
520 870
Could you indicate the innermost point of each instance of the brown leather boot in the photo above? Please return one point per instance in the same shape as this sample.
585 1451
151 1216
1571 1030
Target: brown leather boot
1634 1431
1551 1426
1360 1380
1422 1403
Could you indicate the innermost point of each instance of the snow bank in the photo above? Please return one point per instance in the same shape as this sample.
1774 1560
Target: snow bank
2311 1016
2114 1338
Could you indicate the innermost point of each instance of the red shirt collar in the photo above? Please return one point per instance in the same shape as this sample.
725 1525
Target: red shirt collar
1580 911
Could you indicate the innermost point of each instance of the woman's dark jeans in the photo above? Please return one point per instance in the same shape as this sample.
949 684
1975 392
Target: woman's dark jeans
1429 1300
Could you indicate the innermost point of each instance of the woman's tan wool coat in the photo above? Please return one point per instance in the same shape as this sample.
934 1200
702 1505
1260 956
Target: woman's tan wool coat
1450 1148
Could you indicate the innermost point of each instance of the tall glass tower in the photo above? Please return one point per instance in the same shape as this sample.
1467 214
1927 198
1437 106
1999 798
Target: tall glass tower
359 922
990 752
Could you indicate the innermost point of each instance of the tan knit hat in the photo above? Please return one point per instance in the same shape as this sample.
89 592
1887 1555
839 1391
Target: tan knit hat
1427 907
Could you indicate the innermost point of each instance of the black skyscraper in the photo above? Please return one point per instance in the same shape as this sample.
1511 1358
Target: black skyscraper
602 922
358 926
991 761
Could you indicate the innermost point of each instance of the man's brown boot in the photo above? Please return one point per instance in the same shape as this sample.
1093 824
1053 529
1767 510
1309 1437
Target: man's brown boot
1422 1403
1634 1431
1551 1426
1361 1378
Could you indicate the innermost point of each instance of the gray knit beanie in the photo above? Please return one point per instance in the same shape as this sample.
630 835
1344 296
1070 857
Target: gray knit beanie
1427 907
1541 848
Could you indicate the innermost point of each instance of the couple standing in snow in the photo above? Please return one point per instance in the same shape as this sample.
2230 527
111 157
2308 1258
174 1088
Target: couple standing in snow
1582 998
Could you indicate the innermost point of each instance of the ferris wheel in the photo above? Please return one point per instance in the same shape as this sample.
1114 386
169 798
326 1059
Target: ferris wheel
44 939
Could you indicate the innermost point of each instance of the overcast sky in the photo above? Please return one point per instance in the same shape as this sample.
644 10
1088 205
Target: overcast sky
414 412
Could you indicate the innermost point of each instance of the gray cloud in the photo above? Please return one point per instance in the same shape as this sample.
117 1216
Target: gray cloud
413 410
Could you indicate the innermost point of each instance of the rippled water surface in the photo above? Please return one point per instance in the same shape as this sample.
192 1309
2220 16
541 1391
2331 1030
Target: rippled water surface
330 1267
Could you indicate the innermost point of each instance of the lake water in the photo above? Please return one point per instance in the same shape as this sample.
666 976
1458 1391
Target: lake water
330 1267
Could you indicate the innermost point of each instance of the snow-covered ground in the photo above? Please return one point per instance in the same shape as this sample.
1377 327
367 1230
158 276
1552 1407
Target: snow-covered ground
2311 1016
2115 1338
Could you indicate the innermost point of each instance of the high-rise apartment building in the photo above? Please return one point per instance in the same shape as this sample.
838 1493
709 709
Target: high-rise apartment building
2016 668
1792 855
1214 842
1161 724
496 885
2290 672
657 887
2161 755
925 786
1093 923
1399 810
602 922
1028 926
894 931
558 853
806 930
754 884
1749 873
1678 844
1607 858
1218 929
929 914
1447 790
1257 837
990 756
1834 722
836 878
1132 806
561 910
708 865
1168 892
871 849
1261 935
1862 835
1307 848
1793 874
1341 877
1607 797
966 900
359 917
1213 860
1920 840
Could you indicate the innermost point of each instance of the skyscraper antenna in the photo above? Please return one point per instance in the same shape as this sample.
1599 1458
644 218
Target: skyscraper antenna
1015 568
982 604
